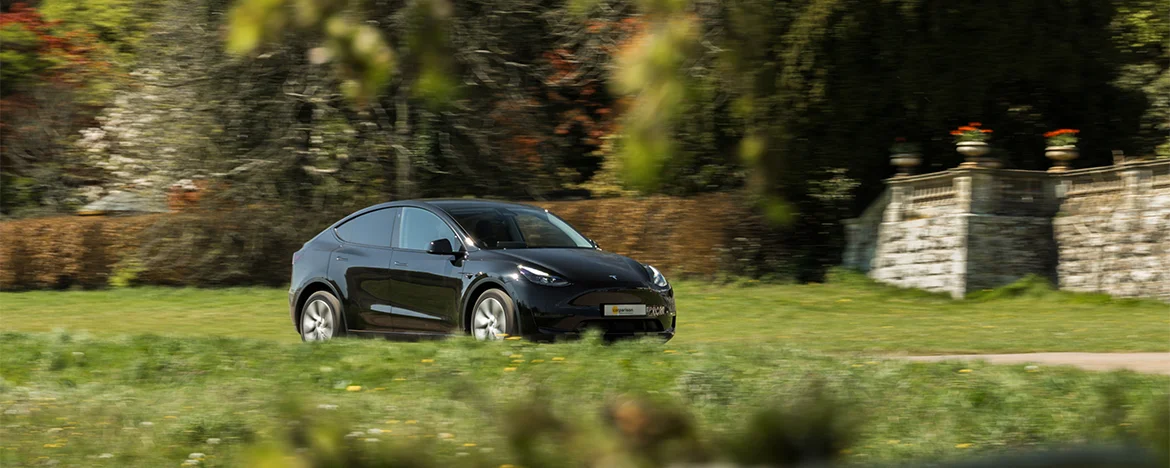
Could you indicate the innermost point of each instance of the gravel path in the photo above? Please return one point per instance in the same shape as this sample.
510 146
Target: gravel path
1151 363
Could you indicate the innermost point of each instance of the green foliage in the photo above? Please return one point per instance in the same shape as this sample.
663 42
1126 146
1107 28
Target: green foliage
1141 31
1062 137
125 272
119 25
1034 286
19 52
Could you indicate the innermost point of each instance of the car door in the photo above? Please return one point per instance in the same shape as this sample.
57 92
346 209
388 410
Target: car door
426 287
361 266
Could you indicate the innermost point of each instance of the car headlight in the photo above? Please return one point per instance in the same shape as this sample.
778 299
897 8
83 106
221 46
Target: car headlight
656 277
542 278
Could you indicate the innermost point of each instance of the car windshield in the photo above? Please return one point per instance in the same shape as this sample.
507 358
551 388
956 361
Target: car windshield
517 228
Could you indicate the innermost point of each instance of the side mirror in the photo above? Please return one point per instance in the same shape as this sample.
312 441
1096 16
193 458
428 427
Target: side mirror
591 241
441 247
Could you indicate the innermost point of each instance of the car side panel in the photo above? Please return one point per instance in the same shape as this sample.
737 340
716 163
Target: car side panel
363 274
312 265
483 269
426 290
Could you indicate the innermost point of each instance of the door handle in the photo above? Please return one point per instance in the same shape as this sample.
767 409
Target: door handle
399 263
342 259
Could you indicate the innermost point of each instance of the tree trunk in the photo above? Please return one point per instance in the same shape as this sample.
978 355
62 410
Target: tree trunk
404 182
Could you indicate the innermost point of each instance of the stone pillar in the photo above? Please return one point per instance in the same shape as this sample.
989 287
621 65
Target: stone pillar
983 194
962 184
899 198
1137 182
852 243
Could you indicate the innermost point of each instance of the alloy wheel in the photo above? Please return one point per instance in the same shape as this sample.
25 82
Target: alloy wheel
317 323
490 320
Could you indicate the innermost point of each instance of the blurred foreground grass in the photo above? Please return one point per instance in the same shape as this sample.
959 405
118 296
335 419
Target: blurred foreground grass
147 400
848 314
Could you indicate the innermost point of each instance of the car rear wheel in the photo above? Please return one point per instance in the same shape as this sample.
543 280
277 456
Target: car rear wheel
321 318
494 316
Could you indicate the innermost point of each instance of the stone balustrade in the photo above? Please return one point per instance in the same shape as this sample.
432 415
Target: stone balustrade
1104 229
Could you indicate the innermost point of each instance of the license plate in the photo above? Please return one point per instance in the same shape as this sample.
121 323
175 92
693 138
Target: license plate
624 310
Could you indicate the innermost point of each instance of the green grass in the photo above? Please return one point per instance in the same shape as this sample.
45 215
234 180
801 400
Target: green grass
847 315
152 401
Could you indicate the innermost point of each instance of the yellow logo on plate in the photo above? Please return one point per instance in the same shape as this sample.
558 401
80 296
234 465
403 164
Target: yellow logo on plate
615 309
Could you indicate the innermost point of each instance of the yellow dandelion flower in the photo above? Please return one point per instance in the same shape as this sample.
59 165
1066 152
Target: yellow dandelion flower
964 371
844 300
170 416
537 361
411 421
427 361
858 365
558 358
670 351
517 361
469 444
378 389
353 388
963 446
509 369
400 379
391 421
516 356
512 338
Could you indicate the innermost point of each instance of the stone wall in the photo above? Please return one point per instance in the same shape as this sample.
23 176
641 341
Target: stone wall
974 228
1003 249
1123 252
863 230
928 253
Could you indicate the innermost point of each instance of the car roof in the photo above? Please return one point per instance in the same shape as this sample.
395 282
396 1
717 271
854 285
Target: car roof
442 204
456 203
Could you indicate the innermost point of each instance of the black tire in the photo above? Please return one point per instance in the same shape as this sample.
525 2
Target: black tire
322 311
492 307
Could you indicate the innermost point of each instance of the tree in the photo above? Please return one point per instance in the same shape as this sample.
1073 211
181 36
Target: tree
46 94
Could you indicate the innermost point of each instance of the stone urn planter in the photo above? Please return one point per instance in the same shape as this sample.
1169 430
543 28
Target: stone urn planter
905 162
974 151
1061 156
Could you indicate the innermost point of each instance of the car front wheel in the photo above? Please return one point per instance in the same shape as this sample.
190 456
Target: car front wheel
321 318
494 316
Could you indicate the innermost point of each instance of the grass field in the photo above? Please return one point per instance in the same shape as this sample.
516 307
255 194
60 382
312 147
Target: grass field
849 315
150 376
154 401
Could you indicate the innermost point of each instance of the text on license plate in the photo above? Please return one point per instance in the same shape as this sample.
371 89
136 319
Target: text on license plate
624 310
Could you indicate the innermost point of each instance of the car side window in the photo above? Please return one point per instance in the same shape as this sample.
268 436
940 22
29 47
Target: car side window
373 228
419 227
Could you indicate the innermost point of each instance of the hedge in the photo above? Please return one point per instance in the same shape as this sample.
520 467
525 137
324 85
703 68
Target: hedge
699 236
64 251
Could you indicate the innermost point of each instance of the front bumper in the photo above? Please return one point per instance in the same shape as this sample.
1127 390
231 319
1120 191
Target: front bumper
550 313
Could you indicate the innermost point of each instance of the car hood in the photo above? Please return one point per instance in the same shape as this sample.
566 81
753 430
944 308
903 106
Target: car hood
582 265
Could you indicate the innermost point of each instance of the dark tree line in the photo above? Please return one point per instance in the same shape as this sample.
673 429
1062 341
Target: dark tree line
332 104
